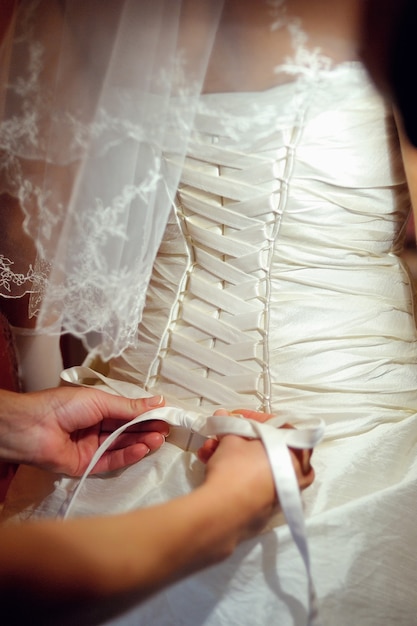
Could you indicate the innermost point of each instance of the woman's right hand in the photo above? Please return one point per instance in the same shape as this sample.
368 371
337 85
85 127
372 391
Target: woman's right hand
300 458
238 471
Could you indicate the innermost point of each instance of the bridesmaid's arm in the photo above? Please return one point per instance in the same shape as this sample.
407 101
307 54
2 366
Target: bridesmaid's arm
51 571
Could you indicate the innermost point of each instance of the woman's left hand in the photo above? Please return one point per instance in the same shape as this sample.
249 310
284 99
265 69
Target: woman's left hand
60 429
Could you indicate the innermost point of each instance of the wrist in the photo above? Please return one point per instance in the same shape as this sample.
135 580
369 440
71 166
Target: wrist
8 419
17 440
249 506
230 513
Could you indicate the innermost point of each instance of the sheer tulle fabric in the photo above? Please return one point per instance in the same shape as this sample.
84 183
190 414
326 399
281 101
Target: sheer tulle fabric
93 95
98 102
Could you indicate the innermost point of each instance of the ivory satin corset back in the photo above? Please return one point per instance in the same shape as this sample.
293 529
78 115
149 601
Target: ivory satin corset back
277 282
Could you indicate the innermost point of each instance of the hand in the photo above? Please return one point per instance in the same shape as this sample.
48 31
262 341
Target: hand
239 475
60 429
300 458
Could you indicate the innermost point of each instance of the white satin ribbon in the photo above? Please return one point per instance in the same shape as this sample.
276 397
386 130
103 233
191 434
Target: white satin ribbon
189 430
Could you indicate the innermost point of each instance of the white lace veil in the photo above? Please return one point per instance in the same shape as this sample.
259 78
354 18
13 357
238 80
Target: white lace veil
92 94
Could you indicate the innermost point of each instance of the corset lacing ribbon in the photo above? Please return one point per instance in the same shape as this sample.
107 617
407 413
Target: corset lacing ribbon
194 429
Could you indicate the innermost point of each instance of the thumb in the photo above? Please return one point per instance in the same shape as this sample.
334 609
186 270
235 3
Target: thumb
118 407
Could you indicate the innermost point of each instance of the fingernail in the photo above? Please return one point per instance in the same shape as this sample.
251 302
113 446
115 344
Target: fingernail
155 401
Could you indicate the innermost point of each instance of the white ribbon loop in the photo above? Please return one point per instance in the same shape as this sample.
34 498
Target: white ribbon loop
189 430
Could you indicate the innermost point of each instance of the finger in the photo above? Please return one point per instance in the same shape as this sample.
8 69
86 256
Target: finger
153 440
303 469
114 460
248 413
306 479
207 450
303 458
119 408
253 415
109 425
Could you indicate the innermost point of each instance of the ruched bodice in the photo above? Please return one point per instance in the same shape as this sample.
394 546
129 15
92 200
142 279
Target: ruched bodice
278 283
278 286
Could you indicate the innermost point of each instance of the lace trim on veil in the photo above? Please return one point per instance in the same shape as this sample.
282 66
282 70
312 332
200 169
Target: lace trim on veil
82 148
89 115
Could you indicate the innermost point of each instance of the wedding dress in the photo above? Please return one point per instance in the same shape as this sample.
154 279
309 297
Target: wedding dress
278 287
